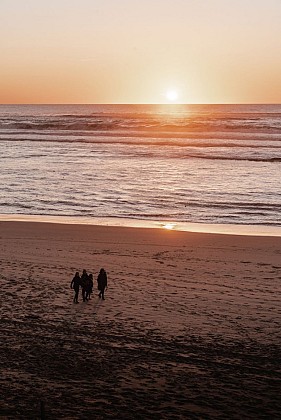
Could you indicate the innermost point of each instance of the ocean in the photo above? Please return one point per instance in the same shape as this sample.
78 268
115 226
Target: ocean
177 164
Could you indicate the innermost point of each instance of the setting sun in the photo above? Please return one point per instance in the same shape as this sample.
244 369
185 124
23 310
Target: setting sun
172 95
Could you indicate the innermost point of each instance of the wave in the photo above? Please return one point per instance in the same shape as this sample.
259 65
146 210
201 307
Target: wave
248 133
236 158
143 121
197 139
226 150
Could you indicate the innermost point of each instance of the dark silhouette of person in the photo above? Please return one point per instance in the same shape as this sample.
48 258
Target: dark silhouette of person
102 282
75 284
84 284
89 287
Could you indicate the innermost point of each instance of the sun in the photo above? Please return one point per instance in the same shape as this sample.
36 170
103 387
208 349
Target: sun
172 95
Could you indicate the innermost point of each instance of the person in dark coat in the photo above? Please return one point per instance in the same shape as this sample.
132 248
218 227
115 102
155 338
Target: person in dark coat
89 288
84 284
102 282
75 284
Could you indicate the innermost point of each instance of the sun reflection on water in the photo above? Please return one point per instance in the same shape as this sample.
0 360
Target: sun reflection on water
169 226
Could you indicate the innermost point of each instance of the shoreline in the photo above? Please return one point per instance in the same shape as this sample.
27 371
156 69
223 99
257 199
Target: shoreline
224 229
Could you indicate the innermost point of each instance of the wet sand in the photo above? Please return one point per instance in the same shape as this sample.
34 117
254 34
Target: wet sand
189 328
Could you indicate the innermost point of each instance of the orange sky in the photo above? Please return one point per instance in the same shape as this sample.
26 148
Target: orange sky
132 51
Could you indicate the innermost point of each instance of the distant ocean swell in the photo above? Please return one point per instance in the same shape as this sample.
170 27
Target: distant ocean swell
203 164
162 122
261 151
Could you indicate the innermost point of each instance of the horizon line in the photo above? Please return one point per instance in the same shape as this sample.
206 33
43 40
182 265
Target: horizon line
140 103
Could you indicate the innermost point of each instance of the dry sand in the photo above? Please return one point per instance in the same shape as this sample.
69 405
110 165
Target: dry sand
189 329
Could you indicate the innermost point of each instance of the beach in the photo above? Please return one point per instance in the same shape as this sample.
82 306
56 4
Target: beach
189 328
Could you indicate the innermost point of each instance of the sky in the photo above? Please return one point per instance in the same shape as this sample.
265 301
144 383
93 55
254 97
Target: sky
140 51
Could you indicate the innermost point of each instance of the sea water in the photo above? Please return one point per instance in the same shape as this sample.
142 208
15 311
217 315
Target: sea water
203 164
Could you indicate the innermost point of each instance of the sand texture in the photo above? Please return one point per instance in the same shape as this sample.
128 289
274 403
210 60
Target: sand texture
189 328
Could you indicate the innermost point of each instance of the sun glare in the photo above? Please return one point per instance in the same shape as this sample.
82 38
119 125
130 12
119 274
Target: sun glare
169 226
172 95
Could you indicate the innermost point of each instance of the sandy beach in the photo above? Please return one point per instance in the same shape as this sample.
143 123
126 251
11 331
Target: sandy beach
189 328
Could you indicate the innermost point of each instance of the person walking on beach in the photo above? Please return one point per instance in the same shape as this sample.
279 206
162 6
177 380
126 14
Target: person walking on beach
102 282
75 284
84 284
89 288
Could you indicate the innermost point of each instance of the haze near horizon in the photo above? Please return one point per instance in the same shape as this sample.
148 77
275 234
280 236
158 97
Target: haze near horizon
169 51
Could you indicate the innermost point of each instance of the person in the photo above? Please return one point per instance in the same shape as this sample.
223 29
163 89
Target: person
84 284
89 287
102 282
75 284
